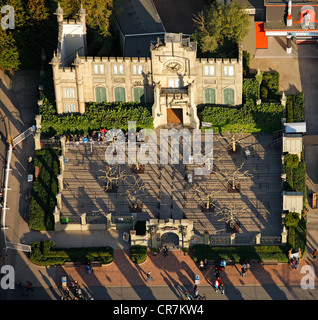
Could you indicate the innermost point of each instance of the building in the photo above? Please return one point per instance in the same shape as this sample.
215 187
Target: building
296 20
171 78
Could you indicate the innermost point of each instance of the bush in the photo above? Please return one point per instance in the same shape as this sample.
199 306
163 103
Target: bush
270 82
138 253
201 252
44 190
292 219
295 106
44 253
251 89
291 160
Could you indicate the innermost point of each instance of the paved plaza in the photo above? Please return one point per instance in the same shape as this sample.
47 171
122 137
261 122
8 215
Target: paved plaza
169 193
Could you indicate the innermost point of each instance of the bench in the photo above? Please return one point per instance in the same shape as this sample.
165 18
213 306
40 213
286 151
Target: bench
72 264
269 262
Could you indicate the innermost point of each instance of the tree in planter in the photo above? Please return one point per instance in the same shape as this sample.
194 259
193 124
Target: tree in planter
230 213
209 204
112 175
232 177
136 190
233 138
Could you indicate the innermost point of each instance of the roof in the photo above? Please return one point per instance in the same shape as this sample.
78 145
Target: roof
285 2
292 143
293 201
138 17
280 25
295 127
139 46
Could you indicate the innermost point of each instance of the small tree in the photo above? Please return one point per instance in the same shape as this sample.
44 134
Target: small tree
292 219
220 23
112 176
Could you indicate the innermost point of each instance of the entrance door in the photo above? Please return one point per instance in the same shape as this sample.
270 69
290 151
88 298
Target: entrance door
170 239
174 115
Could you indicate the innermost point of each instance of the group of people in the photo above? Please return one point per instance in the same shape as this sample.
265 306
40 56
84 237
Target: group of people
77 293
196 295
245 268
218 284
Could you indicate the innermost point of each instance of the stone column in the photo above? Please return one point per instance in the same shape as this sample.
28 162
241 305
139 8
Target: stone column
60 182
284 235
289 45
62 166
57 218
232 238
258 238
59 201
63 145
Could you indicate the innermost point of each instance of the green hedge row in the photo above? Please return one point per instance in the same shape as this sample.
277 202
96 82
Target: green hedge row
108 115
44 253
295 107
270 87
44 190
138 253
237 254
250 118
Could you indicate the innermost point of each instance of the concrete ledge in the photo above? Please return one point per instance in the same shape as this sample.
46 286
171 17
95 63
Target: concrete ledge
72 264
269 262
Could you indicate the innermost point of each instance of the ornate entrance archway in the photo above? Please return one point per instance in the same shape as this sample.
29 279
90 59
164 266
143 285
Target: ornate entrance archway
170 239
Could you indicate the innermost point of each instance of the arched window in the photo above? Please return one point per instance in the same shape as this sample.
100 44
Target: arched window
228 96
209 95
100 93
120 94
139 95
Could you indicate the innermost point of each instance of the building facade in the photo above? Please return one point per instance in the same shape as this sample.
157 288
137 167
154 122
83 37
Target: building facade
173 79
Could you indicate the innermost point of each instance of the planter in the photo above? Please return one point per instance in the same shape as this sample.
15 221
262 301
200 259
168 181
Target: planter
112 189
232 227
137 208
230 149
139 170
230 189
205 209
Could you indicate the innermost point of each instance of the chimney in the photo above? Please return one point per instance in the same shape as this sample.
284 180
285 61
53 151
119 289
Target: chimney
289 15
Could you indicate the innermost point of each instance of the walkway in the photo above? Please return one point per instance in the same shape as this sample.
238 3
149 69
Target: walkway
178 269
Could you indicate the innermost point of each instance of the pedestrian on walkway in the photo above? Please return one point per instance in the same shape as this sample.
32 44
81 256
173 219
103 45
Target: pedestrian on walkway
216 285
29 286
315 253
222 265
203 297
187 296
149 276
243 271
222 289
195 292
165 251
217 272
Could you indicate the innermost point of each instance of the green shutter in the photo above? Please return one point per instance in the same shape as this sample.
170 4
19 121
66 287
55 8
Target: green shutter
209 95
120 94
100 94
228 96
139 95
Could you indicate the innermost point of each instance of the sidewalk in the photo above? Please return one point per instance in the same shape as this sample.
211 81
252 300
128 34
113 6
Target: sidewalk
177 269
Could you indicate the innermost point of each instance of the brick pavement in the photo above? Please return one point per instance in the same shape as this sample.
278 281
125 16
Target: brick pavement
177 269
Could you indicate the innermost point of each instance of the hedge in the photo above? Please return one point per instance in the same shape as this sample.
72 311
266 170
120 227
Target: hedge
44 190
270 85
138 253
108 115
237 254
295 108
44 253
250 118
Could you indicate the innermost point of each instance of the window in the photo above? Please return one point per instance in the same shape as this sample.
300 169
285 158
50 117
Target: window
118 69
228 71
99 69
120 94
139 95
209 94
174 83
209 71
100 94
69 93
70 107
228 96
137 69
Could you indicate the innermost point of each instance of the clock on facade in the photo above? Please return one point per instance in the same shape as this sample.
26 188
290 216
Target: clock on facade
173 66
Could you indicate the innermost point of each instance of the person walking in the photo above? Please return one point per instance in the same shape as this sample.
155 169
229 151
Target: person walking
217 272
187 296
216 285
149 276
165 251
196 292
29 286
243 270
315 253
222 289
222 265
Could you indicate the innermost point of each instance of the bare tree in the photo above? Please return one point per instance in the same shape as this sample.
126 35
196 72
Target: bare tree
206 195
112 175
136 189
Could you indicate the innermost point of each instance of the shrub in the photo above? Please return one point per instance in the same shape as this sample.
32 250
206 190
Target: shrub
44 253
44 190
291 160
264 93
292 219
138 253
295 105
200 252
270 82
